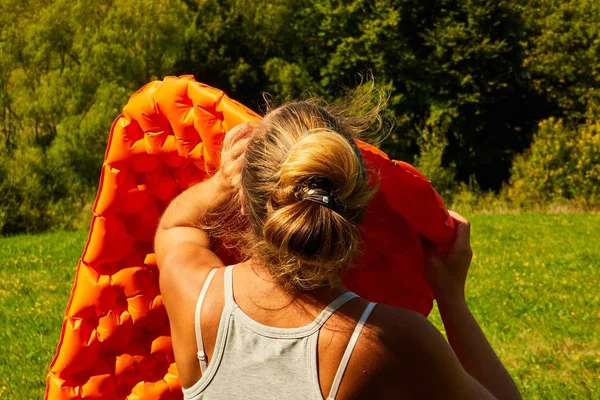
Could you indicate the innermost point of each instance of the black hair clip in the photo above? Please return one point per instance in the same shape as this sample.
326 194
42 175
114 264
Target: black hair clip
318 189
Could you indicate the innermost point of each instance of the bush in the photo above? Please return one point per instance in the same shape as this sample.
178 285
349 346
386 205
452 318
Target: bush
37 194
432 144
563 163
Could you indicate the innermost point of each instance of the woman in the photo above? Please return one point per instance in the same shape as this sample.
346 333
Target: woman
280 324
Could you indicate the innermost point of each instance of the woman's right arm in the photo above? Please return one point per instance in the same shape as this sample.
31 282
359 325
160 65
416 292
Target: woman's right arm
474 351
447 276
419 362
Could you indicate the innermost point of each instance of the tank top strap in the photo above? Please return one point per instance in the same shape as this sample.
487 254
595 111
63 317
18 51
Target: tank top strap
197 321
337 380
333 307
228 289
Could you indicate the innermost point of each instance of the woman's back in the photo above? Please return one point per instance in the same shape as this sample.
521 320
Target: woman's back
246 351
264 344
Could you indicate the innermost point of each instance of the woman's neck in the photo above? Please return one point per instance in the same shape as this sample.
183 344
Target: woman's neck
263 280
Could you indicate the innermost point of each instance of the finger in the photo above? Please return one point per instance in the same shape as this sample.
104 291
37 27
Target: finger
461 222
239 147
457 217
235 181
463 237
230 135
241 131
237 143
235 134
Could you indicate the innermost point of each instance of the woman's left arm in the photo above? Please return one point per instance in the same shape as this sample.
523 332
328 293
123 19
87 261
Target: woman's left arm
183 249
184 259
178 238
180 243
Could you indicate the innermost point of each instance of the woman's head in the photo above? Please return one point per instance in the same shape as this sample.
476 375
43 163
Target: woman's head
298 147
304 188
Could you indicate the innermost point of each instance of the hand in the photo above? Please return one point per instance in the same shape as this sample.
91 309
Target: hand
447 274
232 155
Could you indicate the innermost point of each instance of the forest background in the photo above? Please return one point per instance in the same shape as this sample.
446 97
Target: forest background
496 101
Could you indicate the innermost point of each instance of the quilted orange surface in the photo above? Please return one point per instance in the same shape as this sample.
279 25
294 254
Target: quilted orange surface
115 341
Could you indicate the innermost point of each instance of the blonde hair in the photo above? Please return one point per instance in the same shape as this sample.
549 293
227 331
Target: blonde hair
304 244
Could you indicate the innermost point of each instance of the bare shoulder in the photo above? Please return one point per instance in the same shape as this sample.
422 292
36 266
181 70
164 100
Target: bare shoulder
184 261
399 334
183 270
407 356
400 329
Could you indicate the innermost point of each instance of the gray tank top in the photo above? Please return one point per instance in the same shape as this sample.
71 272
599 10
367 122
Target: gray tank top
255 361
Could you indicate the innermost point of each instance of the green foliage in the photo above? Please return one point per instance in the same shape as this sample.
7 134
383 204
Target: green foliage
80 141
475 81
37 194
470 198
66 70
456 57
432 144
561 56
562 163
486 71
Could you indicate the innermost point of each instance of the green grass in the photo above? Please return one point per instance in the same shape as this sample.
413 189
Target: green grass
36 276
534 287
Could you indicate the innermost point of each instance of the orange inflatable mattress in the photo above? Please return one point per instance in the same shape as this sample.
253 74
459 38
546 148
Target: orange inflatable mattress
115 341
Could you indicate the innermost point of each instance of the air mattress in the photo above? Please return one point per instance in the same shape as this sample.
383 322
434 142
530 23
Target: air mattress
115 341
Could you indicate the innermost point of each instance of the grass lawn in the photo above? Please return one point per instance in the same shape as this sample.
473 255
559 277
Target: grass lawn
533 287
